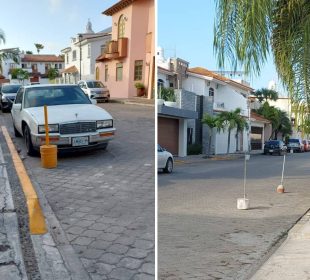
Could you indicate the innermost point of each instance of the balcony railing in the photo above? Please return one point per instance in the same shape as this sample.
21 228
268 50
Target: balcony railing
116 49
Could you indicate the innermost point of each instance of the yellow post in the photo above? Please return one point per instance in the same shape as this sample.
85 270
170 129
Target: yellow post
47 139
48 152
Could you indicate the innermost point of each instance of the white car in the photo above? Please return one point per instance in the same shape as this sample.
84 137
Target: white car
164 160
74 121
95 90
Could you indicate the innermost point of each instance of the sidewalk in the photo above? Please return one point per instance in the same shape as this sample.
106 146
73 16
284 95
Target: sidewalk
135 101
292 260
11 258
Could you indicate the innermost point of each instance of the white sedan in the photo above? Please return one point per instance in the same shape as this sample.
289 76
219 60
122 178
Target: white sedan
164 160
74 121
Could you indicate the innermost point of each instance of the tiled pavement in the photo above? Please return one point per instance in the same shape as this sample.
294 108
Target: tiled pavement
104 200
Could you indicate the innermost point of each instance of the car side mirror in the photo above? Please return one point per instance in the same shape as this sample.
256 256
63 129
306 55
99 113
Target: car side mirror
17 106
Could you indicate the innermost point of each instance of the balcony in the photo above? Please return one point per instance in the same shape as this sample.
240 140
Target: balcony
115 49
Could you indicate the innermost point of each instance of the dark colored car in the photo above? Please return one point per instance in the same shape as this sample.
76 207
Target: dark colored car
295 145
275 147
7 96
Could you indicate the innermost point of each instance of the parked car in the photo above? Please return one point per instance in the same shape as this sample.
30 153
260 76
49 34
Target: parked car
74 122
164 160
275 147
295 145
306 145
7 96
95 90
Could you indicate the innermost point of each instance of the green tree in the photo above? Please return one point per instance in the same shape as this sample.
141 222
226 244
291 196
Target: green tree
29 52
20 74
247 30
279 120
266 94
212 122
39 47
52 73
9 53
231 120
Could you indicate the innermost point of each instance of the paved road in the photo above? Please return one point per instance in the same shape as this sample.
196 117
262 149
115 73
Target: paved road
104 200
202 235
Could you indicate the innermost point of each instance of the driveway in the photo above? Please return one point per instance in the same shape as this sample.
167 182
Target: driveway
202 235
104 200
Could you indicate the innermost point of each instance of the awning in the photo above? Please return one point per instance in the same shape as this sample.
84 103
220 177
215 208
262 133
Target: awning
71 70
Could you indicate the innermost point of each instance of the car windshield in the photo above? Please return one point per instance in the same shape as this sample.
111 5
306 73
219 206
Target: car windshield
59 95
293 140
10 88
273 143
95 84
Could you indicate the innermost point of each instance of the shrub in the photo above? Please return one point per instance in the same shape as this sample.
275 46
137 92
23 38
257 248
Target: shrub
194 149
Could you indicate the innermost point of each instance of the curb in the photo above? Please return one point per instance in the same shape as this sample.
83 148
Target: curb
128 102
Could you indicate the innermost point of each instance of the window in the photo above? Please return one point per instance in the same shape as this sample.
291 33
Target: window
24 65
97 73
106 72
67 58
119 71
60 66
19 96
102 48
211 91
88 50
73 55
138 70
121 27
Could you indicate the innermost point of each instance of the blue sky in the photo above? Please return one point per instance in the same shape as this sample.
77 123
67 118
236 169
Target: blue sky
49 22
186 27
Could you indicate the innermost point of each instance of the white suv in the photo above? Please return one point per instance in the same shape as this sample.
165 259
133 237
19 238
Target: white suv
95 90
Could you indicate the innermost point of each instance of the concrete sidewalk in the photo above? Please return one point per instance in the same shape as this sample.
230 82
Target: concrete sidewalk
135 101
292 260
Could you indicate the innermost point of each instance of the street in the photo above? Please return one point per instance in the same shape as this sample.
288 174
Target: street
202 235
103 200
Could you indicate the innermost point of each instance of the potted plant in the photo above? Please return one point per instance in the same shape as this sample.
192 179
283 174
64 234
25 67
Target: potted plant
140 89
168 95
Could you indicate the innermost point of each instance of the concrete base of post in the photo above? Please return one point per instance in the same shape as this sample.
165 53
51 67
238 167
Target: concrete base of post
243 204
280 189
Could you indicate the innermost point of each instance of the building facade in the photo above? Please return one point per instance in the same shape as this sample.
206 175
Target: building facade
80 56
130 56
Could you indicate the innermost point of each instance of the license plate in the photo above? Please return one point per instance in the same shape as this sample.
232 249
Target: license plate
270 151
100 95
80 141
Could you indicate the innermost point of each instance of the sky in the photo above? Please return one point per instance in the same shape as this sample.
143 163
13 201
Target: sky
50 22
185 29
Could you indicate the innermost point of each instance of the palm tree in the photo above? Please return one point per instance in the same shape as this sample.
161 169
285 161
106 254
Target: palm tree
245 32
52 73
265 94
211 122
231 120
2 36
39 47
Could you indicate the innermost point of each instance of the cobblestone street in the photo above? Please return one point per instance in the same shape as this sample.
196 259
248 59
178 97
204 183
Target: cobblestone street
104 200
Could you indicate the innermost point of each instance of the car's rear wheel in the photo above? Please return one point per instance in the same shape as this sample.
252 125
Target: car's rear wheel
169 166
27 137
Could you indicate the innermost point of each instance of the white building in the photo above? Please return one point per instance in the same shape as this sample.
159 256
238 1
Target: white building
80 56
221 94
37 65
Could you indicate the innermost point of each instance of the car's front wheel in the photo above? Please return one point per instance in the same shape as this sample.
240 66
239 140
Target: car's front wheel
16 133
28 142
169 166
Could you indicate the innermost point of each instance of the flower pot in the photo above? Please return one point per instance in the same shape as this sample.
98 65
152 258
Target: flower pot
140 92
170 104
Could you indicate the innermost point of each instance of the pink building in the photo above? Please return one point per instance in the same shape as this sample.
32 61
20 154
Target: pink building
130 56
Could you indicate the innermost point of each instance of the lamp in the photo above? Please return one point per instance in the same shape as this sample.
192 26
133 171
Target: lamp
80 40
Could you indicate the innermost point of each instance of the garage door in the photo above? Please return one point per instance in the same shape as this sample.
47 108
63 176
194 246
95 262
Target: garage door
256 138
168 134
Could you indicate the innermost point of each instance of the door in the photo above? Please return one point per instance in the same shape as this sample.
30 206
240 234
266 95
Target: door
17 108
